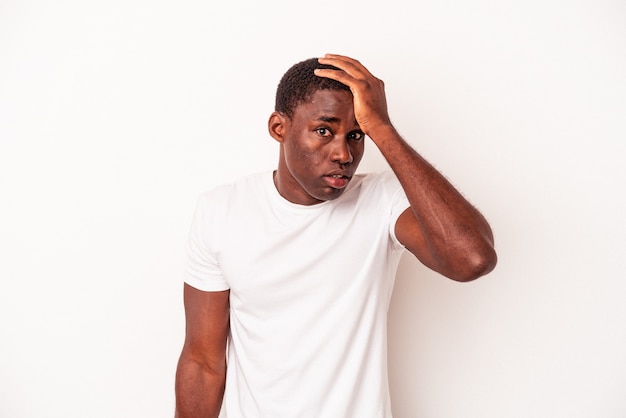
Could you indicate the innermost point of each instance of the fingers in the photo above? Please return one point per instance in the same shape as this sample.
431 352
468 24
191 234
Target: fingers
350 72
370 104
350 66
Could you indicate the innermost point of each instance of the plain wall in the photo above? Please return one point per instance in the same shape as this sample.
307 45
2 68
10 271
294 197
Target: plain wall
115 115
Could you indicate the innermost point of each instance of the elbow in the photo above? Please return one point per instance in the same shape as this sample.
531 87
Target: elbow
475 265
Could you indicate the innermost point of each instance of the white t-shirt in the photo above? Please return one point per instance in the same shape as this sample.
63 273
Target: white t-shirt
309 293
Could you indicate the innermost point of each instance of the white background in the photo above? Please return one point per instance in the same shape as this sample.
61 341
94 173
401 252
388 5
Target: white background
115 115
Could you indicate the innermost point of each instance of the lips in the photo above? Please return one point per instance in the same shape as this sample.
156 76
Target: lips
337 181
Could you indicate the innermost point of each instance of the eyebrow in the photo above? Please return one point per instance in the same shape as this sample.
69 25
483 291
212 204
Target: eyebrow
329 119
332 119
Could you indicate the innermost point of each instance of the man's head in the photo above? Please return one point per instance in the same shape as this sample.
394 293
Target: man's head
299 83
321 143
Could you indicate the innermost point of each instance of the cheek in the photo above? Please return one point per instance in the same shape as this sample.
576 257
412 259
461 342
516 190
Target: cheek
357 153
309 162
304 155
301 159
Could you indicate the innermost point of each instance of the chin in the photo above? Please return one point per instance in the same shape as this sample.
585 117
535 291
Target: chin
334 194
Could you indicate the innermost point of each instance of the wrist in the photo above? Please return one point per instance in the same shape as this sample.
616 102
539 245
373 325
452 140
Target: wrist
383 133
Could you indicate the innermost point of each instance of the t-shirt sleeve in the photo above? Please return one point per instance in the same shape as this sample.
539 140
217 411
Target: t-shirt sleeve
202 269
398 201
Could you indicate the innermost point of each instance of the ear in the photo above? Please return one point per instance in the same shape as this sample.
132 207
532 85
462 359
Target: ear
277 126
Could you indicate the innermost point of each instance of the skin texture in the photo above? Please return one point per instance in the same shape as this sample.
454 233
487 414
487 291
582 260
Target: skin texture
201 372
320 149
321 141
441 228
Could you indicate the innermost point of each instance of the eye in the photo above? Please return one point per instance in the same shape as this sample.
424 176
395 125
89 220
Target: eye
323 132
356 135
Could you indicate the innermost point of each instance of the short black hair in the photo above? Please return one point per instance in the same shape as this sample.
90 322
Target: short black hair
300 83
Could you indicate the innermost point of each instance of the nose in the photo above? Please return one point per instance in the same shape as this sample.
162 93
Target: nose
341 151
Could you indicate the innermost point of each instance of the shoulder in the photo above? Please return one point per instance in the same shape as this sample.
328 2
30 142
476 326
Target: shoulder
241 185
382 191
382 177
221 198
384 183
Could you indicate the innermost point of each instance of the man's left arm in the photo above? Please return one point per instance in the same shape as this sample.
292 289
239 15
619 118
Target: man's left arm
441 228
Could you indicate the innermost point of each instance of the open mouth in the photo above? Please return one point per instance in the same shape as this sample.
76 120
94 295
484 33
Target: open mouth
337 181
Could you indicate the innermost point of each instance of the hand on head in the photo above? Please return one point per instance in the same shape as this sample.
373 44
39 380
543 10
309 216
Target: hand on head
370 102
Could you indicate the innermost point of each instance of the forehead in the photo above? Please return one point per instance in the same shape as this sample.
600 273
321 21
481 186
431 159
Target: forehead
330 103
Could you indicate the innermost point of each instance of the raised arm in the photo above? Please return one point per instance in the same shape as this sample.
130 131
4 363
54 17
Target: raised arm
441 228
201 372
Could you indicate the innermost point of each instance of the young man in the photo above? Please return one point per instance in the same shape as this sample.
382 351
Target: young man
295 268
